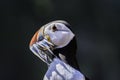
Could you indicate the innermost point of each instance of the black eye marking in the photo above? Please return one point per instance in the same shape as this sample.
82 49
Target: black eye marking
54 28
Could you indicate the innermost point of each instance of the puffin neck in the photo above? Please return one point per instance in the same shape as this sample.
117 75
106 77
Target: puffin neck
69 52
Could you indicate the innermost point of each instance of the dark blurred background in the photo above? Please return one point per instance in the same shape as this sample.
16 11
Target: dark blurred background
95 23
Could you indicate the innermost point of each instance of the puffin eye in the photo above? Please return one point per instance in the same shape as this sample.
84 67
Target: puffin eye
54 28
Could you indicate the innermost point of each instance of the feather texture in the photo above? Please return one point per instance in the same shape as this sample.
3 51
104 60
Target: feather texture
58 70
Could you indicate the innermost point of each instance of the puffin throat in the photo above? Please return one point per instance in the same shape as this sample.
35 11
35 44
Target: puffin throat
68 54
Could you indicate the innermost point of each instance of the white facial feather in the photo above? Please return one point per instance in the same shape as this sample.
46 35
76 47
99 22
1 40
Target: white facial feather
61 37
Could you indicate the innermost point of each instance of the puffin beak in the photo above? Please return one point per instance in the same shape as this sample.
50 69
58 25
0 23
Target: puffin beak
41 47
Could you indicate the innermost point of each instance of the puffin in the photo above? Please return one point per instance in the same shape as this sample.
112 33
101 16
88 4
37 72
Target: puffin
55 44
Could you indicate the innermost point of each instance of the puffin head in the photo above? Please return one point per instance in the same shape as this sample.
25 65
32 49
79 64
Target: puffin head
55 38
